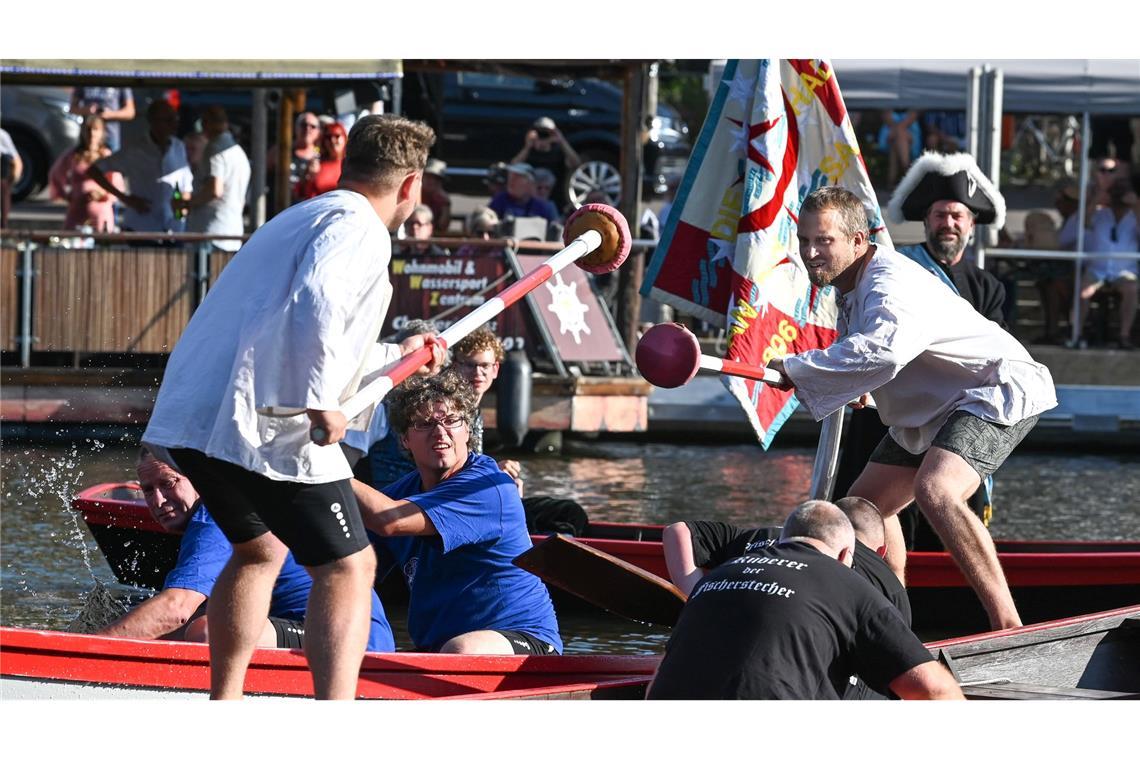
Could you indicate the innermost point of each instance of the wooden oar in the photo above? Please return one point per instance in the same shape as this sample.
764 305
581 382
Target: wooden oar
603 580
598 241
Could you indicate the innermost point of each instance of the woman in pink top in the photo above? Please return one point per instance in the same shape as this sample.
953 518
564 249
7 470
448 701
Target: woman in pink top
87 203
325 173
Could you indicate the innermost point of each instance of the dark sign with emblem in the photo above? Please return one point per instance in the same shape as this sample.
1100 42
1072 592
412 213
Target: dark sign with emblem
444 289
575 317
447 288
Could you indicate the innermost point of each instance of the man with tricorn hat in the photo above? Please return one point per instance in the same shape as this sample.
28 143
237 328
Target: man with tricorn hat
949 194
958 392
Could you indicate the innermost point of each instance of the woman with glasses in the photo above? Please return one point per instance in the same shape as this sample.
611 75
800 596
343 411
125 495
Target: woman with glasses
453 527
88 205
324 173
482 224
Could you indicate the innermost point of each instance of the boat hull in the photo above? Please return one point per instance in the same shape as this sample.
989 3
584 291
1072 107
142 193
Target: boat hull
56 665
1048 579
1088 657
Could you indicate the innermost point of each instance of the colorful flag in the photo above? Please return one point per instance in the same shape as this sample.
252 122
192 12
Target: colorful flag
776 130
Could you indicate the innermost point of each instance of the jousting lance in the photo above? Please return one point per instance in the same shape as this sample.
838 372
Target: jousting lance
669 356
597 240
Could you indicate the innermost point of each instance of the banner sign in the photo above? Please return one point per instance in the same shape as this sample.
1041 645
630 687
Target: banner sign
426 286
776 130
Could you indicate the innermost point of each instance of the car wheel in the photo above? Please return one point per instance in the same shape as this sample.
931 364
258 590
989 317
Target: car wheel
598 171
35 161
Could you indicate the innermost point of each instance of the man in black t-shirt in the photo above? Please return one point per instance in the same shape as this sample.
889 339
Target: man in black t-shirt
791 622
694 547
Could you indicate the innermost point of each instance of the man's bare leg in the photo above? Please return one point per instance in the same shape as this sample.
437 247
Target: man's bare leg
890 488
237 609
944 483
478 642
896 547
337 622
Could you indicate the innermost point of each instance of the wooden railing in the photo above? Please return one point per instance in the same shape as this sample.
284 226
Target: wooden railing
124 293
107 293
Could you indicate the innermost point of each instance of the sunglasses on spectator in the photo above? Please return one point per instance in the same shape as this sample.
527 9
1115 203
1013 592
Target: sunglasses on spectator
312 125
451 422
1106 168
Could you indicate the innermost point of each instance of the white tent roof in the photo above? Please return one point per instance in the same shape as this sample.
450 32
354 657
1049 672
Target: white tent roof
1031 85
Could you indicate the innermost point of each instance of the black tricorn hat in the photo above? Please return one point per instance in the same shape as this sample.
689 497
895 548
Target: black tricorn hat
938 177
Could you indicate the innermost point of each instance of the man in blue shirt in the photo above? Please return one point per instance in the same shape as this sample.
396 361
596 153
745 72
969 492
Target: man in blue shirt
173 612
453 527
519 199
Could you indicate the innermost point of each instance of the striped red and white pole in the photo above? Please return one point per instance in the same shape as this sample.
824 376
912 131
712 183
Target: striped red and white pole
599 241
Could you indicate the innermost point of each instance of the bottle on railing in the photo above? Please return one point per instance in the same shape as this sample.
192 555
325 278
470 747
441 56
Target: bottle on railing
179 212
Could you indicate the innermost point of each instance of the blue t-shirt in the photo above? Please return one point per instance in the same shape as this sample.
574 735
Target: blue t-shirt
205 550
462 580
504 205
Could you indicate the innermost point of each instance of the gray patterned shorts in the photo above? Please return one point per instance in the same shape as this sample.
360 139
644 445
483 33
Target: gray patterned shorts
984 445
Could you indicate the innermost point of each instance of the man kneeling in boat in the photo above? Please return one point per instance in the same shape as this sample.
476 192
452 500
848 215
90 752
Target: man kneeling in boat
791 621
454 526
694 547
173 613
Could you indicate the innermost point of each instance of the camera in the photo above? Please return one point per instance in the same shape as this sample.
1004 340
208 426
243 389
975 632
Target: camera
543 133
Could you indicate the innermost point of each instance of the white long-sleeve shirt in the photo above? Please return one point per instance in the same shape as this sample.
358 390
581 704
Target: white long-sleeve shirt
290 325
923 352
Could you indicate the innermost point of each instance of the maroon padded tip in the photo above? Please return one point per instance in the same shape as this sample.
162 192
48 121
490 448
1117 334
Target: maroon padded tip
668 355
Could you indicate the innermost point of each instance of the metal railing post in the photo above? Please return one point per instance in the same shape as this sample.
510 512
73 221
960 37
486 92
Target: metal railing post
201 272
973 114
993 158
27 273
1082 205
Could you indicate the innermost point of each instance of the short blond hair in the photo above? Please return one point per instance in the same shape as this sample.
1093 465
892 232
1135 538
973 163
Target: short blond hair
382 149
481 339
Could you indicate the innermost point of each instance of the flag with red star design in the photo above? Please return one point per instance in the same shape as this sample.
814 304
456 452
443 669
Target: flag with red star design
775 131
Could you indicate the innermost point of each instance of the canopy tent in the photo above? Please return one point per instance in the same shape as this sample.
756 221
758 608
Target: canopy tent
1030 85
141 72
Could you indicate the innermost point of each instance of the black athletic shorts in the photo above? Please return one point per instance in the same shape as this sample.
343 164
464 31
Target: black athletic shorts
319 522
984 445
521 642
525 643
290 633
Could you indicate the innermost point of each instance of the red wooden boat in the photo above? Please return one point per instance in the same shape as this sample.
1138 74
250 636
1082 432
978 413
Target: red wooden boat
1088 657
1048 579
54 665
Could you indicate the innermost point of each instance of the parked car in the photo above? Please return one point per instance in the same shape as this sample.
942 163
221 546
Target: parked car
482 118
42 128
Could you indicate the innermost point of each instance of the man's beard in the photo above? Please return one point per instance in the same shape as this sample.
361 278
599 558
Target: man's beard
946 250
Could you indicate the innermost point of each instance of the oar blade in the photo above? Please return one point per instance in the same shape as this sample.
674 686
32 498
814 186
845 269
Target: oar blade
603 580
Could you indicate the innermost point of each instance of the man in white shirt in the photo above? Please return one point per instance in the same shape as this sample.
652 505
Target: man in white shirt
283 338
221 180
153 169
958 392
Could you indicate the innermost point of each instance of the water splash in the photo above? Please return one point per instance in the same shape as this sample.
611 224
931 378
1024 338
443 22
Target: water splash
100 609
58 480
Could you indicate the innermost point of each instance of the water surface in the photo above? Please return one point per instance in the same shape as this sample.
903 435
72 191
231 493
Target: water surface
49 562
